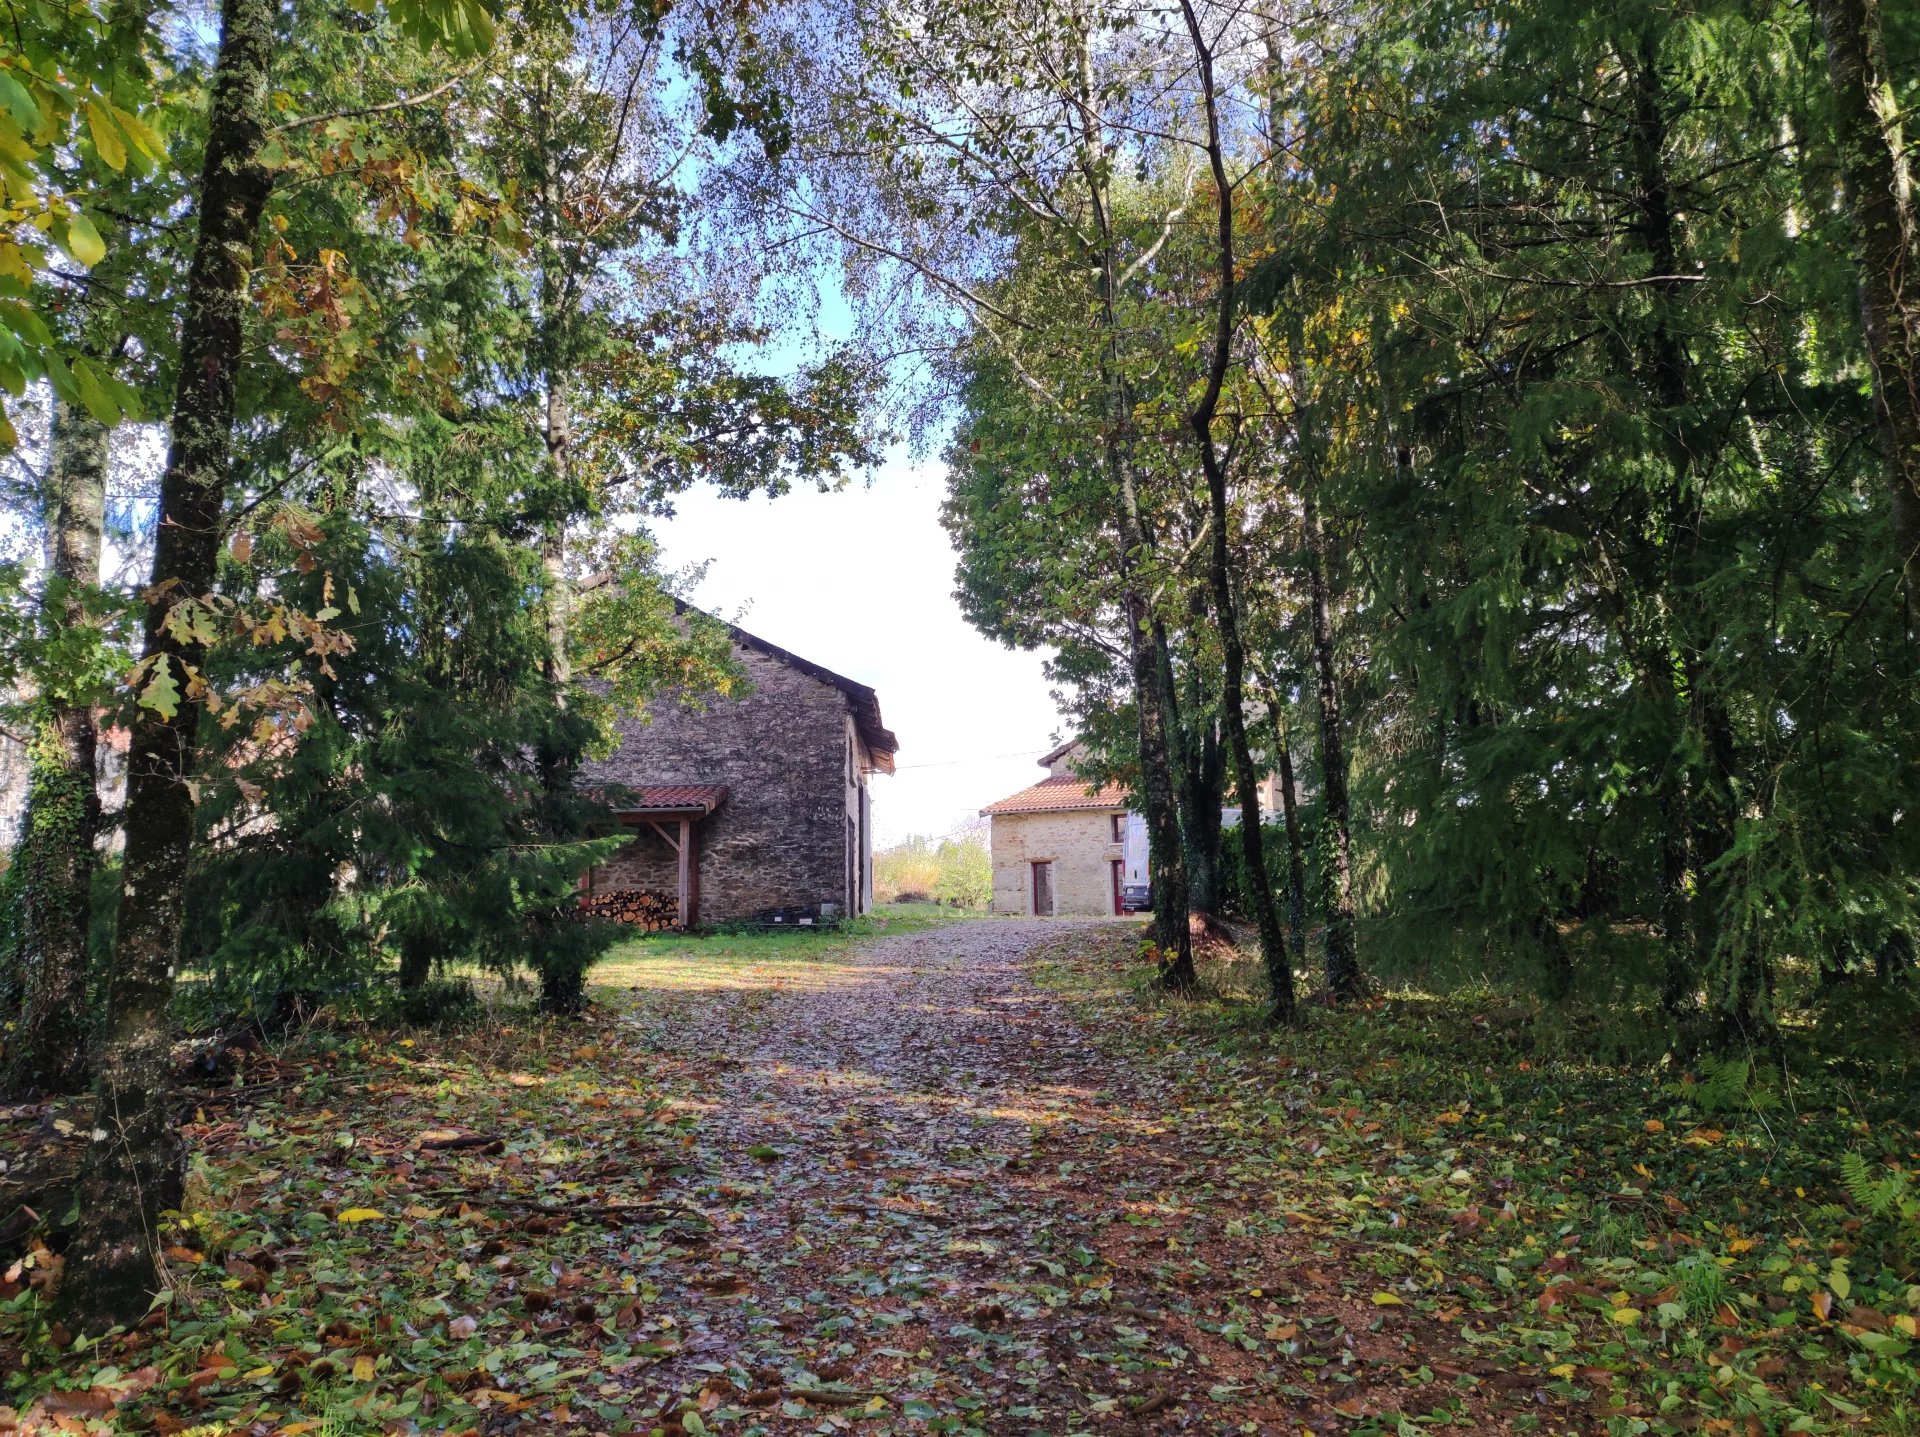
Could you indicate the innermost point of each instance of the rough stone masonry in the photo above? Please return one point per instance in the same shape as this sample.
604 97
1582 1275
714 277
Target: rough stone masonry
794 751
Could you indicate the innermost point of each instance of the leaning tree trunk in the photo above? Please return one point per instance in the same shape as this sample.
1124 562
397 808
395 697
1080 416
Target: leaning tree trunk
53 866
1878 184
1233 719
133 1169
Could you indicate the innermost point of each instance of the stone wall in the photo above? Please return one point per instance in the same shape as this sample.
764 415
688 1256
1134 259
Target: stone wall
780 839
646 863
1079 845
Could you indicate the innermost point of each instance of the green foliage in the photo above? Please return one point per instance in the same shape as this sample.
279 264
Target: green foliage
1729 1083
956 871
78 112
1233 862
1889 1191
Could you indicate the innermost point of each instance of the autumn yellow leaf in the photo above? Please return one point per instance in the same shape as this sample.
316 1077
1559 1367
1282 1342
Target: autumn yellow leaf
1387 1299
1625 1316
363 1368
1654 1125
1564 1369
361 1214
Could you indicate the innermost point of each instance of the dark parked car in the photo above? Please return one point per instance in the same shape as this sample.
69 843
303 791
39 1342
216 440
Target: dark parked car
1136 898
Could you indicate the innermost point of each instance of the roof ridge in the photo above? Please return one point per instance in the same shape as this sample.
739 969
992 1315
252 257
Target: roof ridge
1046 797
878 738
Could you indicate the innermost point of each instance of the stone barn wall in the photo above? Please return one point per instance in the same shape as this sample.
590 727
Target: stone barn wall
646 863
780 839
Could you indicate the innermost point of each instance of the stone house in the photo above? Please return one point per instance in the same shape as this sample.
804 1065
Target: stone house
754 807
1059 847
1064 846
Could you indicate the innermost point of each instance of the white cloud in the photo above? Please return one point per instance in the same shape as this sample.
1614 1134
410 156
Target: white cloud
861 580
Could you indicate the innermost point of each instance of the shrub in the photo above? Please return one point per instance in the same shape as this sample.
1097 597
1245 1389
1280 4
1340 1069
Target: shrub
957 870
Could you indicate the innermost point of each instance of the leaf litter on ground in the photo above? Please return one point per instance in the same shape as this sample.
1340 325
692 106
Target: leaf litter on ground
898 1186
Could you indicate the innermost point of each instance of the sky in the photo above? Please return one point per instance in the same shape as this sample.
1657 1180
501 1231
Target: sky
861 580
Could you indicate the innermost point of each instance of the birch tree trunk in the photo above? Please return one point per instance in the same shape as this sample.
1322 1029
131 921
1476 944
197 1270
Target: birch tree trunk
557 762
132 1168
53 866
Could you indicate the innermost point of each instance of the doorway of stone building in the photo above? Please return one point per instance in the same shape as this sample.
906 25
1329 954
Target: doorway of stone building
1043 889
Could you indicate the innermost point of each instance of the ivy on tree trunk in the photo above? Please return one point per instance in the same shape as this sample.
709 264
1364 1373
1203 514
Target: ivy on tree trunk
51 877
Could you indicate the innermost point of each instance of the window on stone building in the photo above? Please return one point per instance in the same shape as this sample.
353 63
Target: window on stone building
1119 822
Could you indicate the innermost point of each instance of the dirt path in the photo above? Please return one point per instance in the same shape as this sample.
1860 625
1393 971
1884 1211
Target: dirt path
936 1188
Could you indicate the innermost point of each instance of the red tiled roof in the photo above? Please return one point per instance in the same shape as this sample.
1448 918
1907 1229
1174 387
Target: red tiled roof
1056 795
674 798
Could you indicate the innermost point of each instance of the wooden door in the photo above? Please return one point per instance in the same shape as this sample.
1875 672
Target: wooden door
1043 889
1119 866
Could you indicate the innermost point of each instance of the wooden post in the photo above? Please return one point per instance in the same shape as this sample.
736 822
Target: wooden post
692 846
686 873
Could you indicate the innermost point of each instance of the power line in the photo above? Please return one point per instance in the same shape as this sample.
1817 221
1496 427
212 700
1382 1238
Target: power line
958 762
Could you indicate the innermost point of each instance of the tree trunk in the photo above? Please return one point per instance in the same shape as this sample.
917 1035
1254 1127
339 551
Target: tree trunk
1886 252
1233 718
1342 957
1296 846
1702 799
1266 915
1197 770
133 1167
52 871
557 759
1166 864
1678 981
1154 702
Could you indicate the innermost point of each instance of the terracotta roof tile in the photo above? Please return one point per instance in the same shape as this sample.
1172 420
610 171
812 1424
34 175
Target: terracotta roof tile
1057 795
675 797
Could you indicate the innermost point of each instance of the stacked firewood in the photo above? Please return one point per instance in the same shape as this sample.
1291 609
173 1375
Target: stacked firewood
654 912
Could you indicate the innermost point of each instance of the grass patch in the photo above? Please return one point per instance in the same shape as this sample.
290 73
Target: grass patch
749 957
